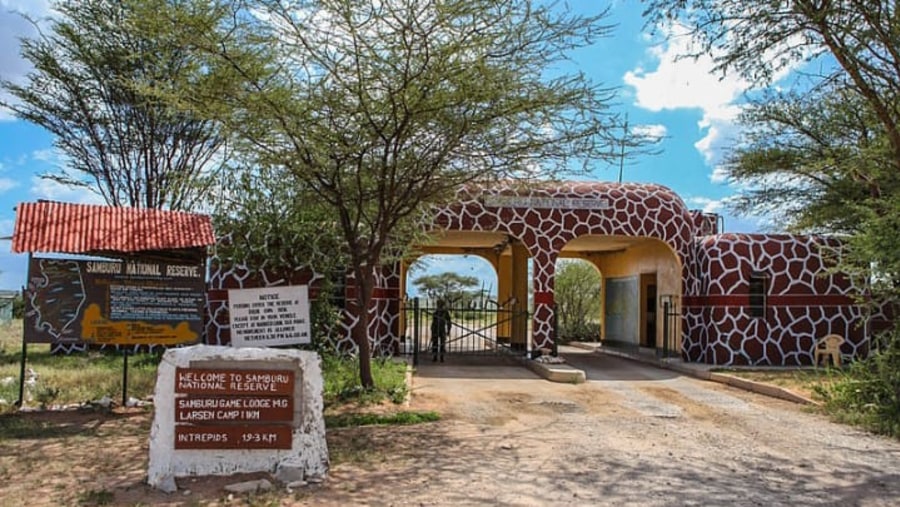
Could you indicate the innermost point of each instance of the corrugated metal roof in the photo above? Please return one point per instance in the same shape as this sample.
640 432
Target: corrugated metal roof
82 228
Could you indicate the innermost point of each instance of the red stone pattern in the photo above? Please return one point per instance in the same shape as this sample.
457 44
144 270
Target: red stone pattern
383 311
634 210
804 301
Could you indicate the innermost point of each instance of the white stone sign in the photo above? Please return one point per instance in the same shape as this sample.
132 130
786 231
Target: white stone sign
525 201
270 316
223 411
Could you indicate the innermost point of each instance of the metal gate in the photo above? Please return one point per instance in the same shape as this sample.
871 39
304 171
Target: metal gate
670 327
476 328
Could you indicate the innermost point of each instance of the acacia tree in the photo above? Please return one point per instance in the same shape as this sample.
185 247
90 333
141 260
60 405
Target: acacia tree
448 286
383 108
577 296
828 156
92 88
825 157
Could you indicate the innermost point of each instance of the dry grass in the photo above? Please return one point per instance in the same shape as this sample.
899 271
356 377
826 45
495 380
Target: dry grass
63 380
803 381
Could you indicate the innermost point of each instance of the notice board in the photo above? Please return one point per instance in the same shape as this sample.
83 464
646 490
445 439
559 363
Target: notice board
269 316
130 302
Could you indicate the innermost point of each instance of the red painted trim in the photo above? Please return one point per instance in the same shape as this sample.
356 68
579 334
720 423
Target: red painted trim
783 300
543 298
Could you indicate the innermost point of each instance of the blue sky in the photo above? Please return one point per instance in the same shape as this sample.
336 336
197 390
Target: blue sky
682 100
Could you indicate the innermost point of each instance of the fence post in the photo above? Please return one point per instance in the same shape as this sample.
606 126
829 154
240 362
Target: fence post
666 318
555 348
415 331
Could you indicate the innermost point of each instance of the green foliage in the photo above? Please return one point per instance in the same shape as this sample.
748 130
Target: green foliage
823 156
451 287
18 309
577 296
868 393
95 69
383 109
342 382
276 227
580 332
399 418
78 378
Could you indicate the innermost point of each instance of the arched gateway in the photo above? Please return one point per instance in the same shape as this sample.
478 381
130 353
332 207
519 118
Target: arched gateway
732 298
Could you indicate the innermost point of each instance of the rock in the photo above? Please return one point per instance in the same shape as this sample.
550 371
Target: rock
296 484
167 484
288 472
134 402
104 402
249 486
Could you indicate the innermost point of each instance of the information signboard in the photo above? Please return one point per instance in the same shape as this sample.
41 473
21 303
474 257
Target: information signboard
269 316
113 302
233 437
223 408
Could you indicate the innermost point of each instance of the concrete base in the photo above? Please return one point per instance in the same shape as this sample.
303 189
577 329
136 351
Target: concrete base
556 372
704 372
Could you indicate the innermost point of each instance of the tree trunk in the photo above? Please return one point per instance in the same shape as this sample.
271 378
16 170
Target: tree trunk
365 282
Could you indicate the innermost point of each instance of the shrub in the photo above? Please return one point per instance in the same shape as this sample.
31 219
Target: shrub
341 377
580 332
868 393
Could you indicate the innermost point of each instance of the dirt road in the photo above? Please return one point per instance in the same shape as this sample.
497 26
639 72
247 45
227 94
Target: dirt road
631 435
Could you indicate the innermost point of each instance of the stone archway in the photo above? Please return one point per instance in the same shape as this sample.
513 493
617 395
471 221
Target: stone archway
543 218
637 273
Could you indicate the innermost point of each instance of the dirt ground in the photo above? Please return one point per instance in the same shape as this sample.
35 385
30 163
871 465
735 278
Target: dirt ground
632 435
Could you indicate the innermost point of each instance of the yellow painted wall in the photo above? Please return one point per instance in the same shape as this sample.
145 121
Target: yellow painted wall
651 256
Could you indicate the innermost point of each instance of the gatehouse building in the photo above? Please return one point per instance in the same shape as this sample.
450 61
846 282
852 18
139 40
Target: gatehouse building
671 278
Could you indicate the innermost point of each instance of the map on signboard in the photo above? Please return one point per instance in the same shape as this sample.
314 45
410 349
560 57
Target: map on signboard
133 302
56 296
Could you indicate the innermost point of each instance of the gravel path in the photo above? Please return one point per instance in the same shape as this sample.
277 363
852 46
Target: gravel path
631 435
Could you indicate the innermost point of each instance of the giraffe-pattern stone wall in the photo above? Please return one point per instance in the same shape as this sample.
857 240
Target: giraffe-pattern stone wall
383 311
805 300
547 216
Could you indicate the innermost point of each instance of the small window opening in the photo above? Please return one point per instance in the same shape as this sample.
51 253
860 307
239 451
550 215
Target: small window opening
758 290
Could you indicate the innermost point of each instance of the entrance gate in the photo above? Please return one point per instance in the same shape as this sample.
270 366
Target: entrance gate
477 328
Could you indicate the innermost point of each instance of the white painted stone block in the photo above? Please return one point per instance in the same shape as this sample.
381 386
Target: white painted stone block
308 452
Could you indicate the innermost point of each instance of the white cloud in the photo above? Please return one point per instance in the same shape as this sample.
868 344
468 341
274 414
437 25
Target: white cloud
719 175
49 155
690 83
12 27
706 204
7 184
683 83
6 227
652 132
42 188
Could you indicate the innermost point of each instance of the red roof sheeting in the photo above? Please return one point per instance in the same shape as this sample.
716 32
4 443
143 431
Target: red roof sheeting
83 228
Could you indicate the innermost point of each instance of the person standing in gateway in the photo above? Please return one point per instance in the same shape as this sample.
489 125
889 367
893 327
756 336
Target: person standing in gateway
440 328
